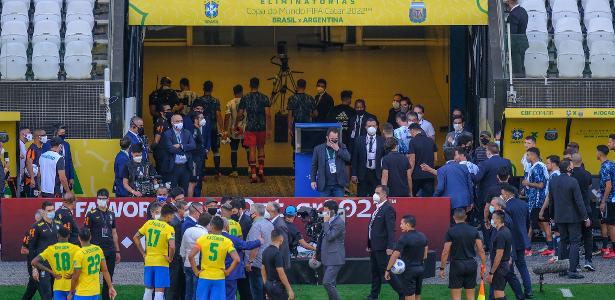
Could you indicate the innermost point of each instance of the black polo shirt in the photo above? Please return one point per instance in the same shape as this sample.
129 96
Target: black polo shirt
501 240
411 245
65 216
101 225
423 148
463 239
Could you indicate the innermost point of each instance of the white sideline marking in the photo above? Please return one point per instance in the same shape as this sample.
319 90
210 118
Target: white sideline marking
566 293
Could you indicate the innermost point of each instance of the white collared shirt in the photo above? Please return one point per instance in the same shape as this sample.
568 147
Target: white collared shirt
190 236
371 152
371 221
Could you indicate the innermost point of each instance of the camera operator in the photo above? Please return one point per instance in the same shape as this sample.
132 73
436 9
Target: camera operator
294 235
138 174
333 255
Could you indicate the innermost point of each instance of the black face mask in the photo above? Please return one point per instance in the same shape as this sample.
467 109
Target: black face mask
212 211
484 141
141 130
168 115
360 112
235 217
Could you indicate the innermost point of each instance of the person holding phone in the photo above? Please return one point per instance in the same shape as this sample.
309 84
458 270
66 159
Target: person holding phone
328 174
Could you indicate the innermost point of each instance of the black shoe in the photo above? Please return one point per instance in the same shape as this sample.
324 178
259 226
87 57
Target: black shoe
589 267
575 276
529 296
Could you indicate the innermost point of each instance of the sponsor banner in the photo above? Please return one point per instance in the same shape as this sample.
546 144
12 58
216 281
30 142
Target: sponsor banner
307 12
550 137
589 134
432 215
557 113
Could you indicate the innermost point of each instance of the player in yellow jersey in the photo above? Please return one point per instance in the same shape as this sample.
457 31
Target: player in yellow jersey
88 263
226 210
160 248
213 248
60 258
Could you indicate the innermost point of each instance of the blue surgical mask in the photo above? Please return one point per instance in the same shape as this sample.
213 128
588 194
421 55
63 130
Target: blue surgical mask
161 198
491 209
51 215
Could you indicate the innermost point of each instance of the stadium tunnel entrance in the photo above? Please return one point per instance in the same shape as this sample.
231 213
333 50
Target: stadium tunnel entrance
440 64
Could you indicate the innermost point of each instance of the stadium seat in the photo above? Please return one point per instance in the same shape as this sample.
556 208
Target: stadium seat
57 1
13 61
534 5
80 10
602 59
78 30
597 9
14 32
536 60
48 10
564 9
45 61
14 11
570 59
46 31
537 27
92 2
78 60
567 29
599 29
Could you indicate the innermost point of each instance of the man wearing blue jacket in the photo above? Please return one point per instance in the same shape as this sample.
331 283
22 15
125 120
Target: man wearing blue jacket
59 130
121 159
454 181
239 271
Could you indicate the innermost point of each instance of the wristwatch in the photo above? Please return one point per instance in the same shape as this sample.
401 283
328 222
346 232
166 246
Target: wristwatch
490 273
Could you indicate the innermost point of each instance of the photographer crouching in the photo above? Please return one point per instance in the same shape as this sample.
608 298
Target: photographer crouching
139 177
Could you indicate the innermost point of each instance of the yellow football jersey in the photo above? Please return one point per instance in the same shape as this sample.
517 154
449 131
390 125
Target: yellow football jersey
214 248
60 257
234 228
88 259
157 235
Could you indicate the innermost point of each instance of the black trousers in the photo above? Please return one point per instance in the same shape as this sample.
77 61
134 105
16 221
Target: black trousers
178 282
45 285
110 260
367 185
423 187
378 260
243 287
588 242
570 240
32 286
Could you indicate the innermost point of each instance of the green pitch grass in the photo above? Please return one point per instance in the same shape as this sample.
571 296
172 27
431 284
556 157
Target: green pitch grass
360 291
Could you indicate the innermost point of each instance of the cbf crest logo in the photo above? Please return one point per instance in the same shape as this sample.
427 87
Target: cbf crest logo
211 9
517 134
418 12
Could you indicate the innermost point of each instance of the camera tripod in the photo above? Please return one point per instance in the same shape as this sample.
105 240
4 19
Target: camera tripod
282 80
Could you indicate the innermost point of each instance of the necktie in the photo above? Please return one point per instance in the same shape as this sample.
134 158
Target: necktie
371 150
371 222
179 139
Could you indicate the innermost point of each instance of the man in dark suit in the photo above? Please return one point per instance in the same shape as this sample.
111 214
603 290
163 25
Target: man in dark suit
517 210
357 122
136 134
488 172
176 268
180 144
454 181
381 240
277 219
333 255
245 221
366 160
517 18
568 211
328 174
121 159
584 179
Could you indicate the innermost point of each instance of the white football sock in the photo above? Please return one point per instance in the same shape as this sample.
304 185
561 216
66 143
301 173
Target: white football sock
148 294
159 296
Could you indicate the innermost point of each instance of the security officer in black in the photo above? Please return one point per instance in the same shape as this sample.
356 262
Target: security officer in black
64 215
163 95
32 286
101 222
42 235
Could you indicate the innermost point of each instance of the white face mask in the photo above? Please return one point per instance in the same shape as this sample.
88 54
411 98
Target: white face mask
492 223
457 127
320 90
137 159
420 116
44 139
376 198
202 122
102 203
29 137
156 217
371 130
396 105
267 215
178 126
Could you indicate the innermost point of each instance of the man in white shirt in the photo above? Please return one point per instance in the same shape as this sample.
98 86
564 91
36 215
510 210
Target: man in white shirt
530 142
425 125
54 182
188 240
25 136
